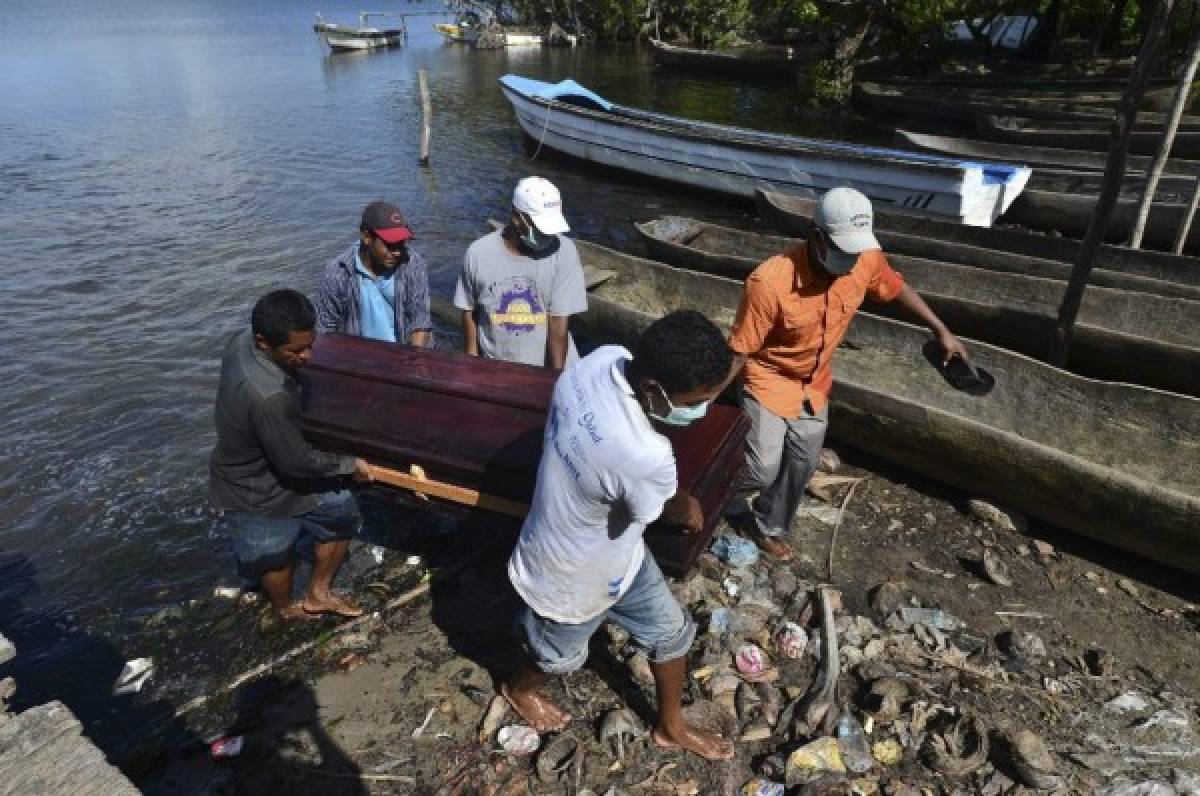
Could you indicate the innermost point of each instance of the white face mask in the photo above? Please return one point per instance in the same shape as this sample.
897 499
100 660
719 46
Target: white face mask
681 415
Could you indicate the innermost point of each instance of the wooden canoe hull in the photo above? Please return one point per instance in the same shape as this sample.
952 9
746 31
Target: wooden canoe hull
1090 138
479 424
729 258
1047 156
1070 214
919 235
1112 462
1121 335
780 63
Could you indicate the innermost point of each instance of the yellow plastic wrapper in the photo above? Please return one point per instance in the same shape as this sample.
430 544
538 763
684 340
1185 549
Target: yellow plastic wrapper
888 752
813 759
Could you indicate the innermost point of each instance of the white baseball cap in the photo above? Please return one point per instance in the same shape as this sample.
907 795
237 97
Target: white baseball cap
537 198
846 217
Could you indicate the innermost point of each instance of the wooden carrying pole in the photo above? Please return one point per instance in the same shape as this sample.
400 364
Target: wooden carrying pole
1164 149
426 113
415 481
1118 151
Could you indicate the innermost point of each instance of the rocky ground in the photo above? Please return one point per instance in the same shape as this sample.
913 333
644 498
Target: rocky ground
976 655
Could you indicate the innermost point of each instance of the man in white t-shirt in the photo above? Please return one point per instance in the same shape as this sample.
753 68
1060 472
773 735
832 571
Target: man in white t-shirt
605 475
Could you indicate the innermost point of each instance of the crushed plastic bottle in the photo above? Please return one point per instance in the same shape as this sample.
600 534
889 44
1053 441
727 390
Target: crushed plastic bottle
934 617
855 751
229 746
735 551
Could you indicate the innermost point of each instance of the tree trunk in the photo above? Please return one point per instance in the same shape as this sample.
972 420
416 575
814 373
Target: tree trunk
833 78
1118 150
1045 35
1110 34
1164 149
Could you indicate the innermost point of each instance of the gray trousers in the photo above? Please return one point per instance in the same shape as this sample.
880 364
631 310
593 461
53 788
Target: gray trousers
781 455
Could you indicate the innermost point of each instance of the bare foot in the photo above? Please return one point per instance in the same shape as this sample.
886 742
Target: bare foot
541 714
707 745
295 612
331 604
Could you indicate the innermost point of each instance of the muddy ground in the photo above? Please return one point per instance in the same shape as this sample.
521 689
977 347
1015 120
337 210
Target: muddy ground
394 704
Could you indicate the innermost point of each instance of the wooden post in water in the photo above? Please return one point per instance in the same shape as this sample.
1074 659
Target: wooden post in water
426 113
1164 148
1118 151
1185 226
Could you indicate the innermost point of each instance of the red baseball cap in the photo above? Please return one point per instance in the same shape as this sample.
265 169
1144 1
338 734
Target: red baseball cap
385 221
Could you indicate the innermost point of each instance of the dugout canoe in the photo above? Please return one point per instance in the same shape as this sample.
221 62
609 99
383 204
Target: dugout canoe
575 121
1086 136
765 62
1113 462
1037 156
1070 213
1120 336
948 107
478 424
905 233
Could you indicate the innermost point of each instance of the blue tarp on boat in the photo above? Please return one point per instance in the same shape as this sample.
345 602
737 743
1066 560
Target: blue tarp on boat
562 90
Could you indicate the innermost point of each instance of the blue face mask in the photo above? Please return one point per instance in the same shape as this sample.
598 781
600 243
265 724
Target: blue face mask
681 415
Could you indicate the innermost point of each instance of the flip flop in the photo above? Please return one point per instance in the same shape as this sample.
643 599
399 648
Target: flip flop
959 373
532 723
342 609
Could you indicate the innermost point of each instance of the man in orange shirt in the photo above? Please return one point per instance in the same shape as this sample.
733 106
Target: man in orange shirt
794 313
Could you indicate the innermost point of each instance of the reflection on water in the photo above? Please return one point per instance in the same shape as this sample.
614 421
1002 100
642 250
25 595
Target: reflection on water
167 162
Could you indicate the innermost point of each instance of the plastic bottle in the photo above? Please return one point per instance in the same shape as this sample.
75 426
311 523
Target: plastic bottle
855 751
930 616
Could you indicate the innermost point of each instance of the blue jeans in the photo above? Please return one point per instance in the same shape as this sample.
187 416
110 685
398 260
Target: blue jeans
648 611
262 544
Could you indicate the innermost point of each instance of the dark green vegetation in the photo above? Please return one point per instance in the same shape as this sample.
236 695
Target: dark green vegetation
911 34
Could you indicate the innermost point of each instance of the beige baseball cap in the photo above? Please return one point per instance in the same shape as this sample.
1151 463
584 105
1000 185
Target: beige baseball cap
845 215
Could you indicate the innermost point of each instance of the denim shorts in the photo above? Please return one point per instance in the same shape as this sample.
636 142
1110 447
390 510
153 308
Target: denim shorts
648 611
262 544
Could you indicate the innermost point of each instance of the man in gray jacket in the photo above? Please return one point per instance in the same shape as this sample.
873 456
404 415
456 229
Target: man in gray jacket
378 287
269 484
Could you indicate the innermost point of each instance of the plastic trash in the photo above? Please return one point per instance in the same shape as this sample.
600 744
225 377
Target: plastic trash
751 660
813 759
792 640
761 787
377 553
934 617
518 739
134 676
230 746
735 551
227 592
855 751
1130 701
718 621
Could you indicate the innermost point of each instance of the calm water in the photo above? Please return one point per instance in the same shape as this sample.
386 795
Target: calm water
164 163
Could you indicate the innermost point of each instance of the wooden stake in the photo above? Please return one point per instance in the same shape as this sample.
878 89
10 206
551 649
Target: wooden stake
1185 226
1118 151
426 113
1164 149
418 483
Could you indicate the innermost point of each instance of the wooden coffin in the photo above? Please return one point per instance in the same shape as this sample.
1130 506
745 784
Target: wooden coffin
478 423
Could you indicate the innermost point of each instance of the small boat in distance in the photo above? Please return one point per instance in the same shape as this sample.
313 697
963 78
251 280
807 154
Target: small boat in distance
773 62
458 32
349 38
575 121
